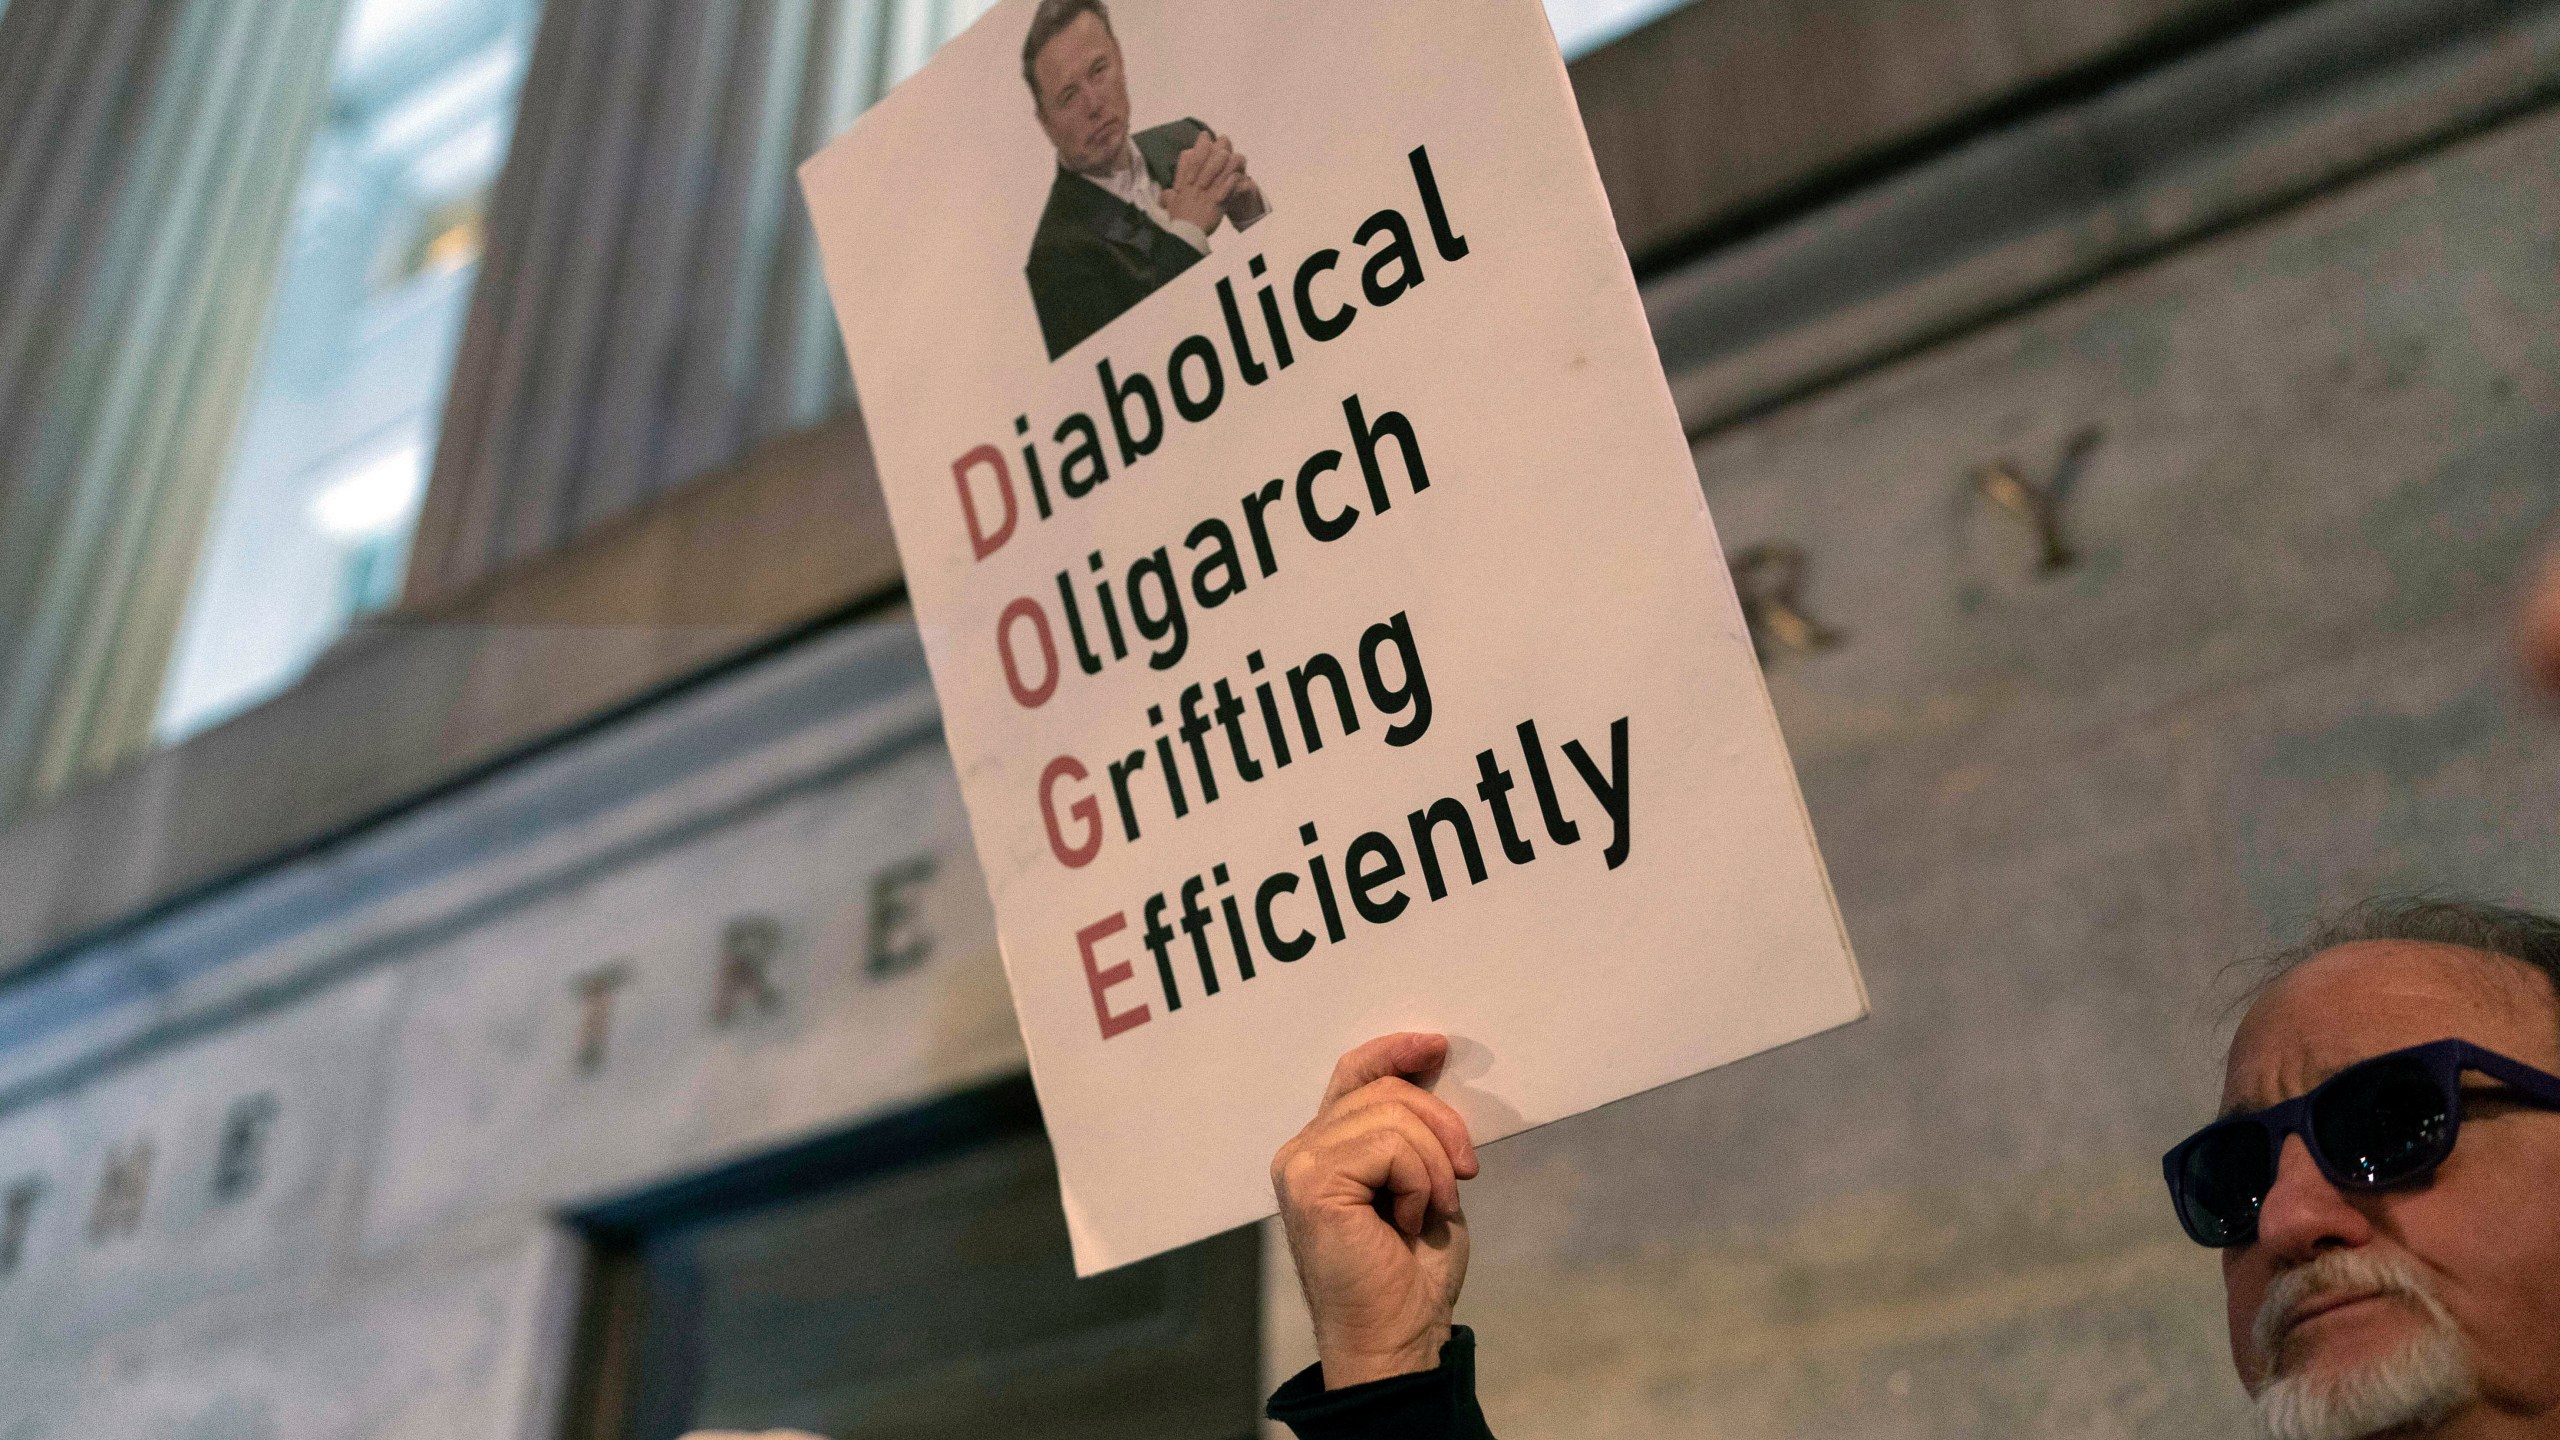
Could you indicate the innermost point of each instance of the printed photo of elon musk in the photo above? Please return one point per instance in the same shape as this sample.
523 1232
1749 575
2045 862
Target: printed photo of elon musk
1129 211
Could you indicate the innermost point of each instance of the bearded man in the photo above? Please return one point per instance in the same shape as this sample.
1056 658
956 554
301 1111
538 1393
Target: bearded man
2383 1185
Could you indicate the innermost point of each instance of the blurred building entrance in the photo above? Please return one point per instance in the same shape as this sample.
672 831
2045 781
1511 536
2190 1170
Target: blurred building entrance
909 1280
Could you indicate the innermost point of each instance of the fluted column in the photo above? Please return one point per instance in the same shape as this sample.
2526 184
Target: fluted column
148 154
651 304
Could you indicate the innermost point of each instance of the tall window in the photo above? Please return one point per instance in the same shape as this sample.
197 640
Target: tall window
313 523
313 528
1586 25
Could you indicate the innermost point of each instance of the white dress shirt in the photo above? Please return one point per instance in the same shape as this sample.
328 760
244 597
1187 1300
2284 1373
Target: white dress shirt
1132 181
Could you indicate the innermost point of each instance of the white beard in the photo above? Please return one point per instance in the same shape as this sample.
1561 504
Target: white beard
2417 1386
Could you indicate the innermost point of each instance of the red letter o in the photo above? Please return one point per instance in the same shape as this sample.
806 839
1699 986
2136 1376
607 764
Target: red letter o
1030 697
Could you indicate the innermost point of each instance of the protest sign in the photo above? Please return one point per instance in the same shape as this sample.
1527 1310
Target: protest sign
1329 629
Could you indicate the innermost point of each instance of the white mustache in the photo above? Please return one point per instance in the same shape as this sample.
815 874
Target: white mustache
2339 1273
2426 1380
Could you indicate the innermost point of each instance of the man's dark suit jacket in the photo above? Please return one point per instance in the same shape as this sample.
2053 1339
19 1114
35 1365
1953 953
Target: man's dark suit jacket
1095 254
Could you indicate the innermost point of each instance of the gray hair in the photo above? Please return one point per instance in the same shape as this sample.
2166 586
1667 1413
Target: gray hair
2529 938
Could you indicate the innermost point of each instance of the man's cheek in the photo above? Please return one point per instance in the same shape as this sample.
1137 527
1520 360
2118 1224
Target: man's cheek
2242 1290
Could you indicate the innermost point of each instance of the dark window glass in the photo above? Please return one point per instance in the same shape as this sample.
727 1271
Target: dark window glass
932 1298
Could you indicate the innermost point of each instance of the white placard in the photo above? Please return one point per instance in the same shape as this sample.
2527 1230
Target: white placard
1334 640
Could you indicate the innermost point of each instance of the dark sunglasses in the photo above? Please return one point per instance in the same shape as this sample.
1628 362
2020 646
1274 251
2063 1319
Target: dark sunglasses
2378 1123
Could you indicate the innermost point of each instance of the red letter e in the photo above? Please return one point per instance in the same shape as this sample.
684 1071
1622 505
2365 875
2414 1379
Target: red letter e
1102 980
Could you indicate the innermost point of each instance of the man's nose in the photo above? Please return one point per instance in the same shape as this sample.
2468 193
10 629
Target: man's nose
2304 1214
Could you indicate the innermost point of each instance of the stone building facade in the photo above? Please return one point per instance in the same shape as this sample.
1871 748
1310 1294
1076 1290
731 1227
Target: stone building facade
572 1010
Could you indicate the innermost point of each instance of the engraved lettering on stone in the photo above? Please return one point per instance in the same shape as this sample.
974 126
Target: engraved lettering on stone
899 942
241 1162
117 1212
1770 579
2004 484
17 1217
595 991
747 950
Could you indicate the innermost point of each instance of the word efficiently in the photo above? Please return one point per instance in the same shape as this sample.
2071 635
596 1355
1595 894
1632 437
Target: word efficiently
1405 703
1373 874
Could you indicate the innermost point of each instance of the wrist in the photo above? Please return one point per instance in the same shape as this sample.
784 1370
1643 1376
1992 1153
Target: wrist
1350 1363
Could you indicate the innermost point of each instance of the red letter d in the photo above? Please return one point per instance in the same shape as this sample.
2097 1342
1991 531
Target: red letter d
979 540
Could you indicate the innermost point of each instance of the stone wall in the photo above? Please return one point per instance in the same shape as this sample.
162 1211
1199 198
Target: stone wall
295 1149
2279 677
298 1163
1728 111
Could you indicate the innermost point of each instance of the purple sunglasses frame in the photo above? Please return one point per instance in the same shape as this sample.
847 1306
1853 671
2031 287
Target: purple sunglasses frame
2444 1062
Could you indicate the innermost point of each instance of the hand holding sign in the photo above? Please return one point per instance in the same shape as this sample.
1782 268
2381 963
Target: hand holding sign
1369 1193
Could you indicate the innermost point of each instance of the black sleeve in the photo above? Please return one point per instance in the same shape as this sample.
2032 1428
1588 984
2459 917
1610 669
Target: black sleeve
1065 299
1433 1405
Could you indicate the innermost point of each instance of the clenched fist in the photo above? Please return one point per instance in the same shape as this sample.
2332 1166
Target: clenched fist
1369 1195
